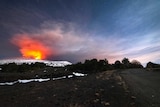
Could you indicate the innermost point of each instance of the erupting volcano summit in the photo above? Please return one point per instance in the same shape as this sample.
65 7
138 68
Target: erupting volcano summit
31 48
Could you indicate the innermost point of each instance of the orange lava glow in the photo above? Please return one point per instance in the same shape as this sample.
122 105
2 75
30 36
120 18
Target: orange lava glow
32 54
31 48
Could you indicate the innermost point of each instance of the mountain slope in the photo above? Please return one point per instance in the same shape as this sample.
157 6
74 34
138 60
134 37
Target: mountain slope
32 61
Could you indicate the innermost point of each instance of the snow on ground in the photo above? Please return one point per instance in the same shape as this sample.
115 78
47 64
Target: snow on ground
42 80
70 76
24 81
59 78
31 80
79 74
9 83
32 61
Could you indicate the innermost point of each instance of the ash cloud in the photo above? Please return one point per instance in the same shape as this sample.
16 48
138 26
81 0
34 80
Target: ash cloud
65 41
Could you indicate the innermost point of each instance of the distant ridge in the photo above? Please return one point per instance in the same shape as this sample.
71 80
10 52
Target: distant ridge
32 61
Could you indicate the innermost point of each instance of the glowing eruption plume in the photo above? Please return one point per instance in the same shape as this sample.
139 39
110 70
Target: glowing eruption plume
31 48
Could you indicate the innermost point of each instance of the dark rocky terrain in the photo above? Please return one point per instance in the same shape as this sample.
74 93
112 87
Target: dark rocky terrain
105 89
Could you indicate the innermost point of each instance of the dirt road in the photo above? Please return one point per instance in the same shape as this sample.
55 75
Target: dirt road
145 85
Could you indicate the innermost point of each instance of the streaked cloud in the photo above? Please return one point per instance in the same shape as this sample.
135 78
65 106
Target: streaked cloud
84 29
71 41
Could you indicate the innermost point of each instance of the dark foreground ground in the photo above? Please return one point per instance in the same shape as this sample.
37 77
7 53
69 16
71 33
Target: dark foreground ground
105 89
145 85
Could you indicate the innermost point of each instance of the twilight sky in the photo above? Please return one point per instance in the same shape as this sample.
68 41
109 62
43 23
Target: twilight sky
76 30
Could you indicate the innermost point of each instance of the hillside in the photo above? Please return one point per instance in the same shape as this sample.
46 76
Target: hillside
32 61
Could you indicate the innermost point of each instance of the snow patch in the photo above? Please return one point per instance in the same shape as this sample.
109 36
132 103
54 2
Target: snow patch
44 71
25 81
70 76
79 74
42 80
59 78
9 83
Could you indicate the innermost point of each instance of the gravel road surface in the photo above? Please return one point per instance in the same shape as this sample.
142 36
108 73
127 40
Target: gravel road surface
145 86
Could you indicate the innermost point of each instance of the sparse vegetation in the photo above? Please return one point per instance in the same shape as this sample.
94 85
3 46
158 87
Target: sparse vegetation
152 65
13 67
94 65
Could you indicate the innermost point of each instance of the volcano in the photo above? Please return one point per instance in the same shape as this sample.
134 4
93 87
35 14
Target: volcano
32 61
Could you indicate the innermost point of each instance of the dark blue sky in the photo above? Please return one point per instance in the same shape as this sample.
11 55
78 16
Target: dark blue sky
81 29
